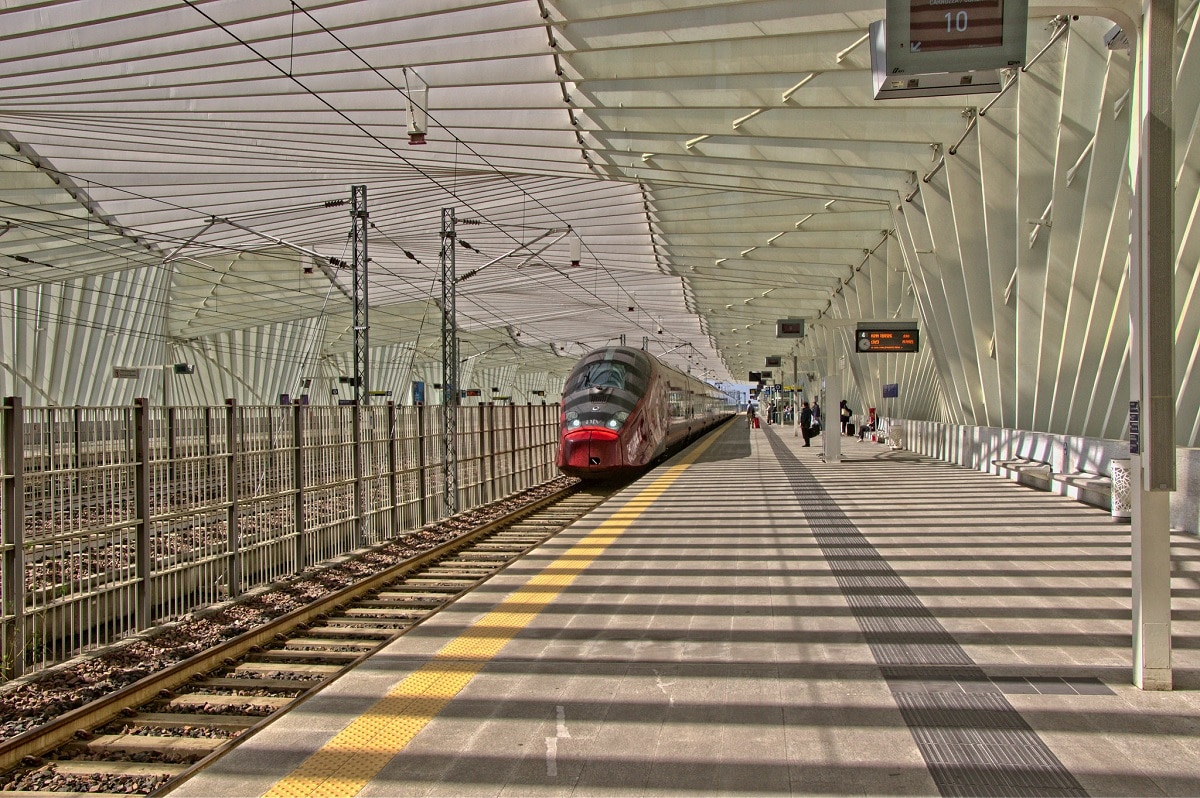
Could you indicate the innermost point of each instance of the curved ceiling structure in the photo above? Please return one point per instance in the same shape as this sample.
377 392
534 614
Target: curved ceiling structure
175 180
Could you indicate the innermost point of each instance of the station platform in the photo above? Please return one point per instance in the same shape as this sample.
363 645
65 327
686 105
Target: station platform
748 620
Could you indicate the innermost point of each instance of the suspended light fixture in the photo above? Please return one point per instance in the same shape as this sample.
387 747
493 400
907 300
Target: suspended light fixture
416 91
576 247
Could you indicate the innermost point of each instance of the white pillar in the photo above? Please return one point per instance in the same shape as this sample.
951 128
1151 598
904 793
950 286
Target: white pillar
831 421
1152 342
1151 588
795 397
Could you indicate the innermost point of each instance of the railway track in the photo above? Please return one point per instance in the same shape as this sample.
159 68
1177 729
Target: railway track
141 739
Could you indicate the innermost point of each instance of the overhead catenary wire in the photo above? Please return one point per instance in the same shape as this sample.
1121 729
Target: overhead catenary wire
177 205
621 268
458 141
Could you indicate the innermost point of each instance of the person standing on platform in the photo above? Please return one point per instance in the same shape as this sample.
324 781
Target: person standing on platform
816 411
846 413
750 417
806 418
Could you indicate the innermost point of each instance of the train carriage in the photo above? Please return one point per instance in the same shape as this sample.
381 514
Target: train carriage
622 409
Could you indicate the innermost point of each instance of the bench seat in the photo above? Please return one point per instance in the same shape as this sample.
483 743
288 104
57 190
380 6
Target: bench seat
1022 465
1085 480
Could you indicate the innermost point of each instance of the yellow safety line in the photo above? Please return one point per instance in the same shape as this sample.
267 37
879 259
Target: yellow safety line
345 764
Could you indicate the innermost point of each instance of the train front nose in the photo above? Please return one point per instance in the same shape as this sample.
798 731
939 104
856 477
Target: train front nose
590 449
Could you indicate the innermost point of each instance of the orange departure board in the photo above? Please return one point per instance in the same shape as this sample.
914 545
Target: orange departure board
888 340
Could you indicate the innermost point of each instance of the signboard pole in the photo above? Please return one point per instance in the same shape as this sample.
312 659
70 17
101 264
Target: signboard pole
795 397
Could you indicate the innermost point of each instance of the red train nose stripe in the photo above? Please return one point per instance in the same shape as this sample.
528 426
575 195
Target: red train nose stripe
590 434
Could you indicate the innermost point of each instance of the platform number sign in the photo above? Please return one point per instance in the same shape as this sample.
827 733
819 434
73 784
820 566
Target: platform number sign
953 25
926 37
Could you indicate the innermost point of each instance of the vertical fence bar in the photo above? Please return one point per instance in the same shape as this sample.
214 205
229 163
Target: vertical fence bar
14 539
422 487
233 569
299 561
77 449
141 513
208 447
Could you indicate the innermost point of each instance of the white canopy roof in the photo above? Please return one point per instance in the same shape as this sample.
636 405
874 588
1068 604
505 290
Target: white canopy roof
723 164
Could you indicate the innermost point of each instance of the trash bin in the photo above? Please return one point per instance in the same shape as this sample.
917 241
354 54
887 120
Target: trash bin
1122 490
896 435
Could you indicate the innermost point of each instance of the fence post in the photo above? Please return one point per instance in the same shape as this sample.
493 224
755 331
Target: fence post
208 447
171 432
141 514
359 504
393 475
13 522
512 448
552 432
422 488
299 561
489 432
233 571
535 450
77 449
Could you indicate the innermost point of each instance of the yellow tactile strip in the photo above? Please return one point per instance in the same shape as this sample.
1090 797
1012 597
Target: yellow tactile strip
344 765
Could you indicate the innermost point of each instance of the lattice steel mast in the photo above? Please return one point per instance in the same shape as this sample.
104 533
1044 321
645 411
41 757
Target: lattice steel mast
450 389
362 360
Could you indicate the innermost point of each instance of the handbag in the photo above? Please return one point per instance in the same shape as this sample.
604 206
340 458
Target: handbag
814 430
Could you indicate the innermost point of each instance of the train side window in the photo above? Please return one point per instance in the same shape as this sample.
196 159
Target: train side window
676 400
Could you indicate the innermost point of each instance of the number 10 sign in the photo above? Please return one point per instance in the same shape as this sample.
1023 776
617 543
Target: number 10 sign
932 36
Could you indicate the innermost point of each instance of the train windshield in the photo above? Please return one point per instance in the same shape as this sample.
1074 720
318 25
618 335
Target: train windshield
605 374
604 389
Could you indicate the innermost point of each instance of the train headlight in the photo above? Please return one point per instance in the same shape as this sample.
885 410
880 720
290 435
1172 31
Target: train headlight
612 422
576 423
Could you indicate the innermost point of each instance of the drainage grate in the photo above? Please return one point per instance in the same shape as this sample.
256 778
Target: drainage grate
973 741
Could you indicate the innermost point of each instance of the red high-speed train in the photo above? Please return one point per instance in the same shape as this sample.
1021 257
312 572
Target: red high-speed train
622 408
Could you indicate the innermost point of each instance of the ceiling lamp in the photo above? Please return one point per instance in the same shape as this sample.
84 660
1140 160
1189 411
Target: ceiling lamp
416 91
576 247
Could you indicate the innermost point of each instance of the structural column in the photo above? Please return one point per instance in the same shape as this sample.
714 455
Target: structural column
1152 350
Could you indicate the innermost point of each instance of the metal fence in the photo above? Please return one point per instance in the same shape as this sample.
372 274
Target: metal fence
121 518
